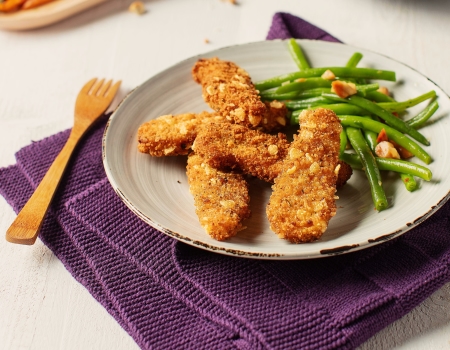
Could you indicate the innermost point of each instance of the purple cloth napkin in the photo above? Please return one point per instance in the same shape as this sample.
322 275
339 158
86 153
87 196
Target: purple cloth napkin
285 26
168 295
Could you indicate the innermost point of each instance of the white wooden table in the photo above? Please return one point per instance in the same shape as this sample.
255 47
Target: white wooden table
41 71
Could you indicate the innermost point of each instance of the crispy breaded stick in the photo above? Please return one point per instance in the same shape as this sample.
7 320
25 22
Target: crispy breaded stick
253 152
172 135
303 198
233 146
221 198
275 117
228 89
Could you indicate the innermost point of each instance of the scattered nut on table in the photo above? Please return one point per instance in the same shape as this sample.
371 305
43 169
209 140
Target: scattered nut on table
137 7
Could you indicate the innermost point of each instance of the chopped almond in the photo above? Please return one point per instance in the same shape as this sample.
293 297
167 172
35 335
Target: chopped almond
328 75
137 7
404 153
385 149
384 90
343 89
382 136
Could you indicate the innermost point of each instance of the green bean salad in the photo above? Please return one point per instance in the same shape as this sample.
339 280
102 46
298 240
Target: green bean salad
375 136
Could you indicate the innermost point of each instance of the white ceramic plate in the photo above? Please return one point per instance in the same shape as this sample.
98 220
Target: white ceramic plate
156 189
44 15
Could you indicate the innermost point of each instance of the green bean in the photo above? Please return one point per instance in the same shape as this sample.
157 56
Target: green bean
354 60
374 108
344 141
312 92
306 103
295 95
278 80
333 97
304 84
409 182
364 89
370 167
371 139
401 106
342 108
351 159
347 72
421 118
338 108
377 96
279 97
403 166
297 54
389 164
393 134
389 118
311 83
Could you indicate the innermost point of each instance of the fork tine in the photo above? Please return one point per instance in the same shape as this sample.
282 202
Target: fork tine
87 86
96 86
104 88
112 91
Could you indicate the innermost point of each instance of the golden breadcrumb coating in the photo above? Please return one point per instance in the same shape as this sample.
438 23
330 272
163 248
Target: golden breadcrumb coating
225 145
221 198
253 152
228 89
303 198
172 135
275 117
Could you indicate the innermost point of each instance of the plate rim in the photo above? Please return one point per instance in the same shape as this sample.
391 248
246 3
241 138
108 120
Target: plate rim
260 255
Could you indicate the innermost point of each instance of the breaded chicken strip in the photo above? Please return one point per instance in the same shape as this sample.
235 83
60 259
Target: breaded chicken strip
253 152
226 145
228 90
221 198
275 117
172 135
303 198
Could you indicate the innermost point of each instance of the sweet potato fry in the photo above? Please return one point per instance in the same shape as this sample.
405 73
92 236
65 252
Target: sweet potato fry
29 4
11 5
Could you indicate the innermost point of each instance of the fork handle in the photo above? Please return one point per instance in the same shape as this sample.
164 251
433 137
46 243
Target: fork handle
26 226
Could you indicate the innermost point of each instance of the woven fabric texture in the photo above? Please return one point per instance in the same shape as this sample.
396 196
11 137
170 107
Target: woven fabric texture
167 294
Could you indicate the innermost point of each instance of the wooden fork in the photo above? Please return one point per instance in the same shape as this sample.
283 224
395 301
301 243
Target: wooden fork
92 101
